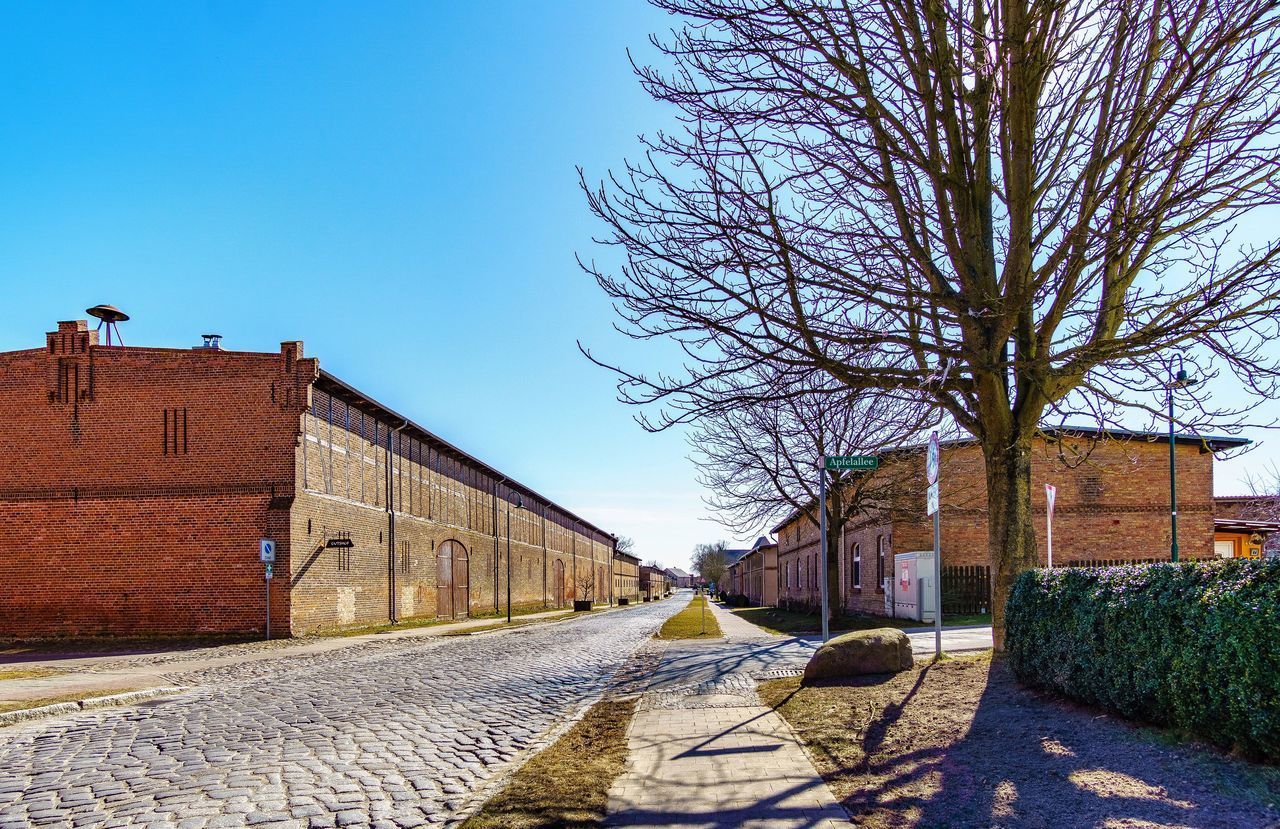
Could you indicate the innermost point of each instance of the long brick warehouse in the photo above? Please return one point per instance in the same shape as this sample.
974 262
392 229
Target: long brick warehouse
139 482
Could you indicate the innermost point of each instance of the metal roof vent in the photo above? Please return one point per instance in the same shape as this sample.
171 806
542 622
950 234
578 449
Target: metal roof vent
212 342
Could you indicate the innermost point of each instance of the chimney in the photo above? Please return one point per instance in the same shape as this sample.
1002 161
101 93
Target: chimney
212 342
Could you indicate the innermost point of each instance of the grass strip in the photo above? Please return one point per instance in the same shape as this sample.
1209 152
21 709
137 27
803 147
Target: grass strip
692 623
567 784
788 622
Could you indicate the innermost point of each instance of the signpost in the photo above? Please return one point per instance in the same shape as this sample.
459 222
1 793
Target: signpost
834 463
1051 495
932 462
267 555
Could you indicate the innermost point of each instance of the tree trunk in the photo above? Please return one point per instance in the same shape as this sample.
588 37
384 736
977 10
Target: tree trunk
834 605
1011 535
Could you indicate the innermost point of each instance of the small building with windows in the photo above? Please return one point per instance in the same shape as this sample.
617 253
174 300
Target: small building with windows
653 583
626 577
678 578
1112 507
754 576
140 481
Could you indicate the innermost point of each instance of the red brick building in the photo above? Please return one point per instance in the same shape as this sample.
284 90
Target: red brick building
140 480
1112 504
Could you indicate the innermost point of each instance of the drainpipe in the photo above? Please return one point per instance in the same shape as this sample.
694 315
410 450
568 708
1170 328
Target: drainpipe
496 606
391 524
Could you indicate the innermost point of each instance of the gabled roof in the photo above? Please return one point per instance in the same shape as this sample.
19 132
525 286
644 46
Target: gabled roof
676 571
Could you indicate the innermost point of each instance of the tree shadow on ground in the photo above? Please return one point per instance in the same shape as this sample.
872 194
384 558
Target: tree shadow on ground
980 751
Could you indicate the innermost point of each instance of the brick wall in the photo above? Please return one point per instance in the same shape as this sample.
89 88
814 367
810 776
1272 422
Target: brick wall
1112 503
138 482
626 577
355 459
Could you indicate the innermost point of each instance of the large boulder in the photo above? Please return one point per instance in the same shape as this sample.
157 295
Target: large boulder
879 651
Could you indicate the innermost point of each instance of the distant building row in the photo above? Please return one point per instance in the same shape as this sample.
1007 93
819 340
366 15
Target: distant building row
1112 506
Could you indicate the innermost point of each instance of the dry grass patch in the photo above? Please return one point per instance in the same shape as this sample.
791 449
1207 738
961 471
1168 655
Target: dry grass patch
568 783
27 673
694 622
960 744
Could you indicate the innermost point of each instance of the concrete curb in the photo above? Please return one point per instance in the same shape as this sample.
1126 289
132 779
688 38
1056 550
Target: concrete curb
86 704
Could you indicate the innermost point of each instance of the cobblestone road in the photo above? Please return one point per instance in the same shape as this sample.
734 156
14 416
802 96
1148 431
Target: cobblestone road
394 735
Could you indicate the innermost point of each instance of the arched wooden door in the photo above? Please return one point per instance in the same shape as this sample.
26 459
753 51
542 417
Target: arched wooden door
452 581
557 582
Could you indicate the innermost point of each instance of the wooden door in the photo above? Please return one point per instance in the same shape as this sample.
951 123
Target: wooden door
461 582
452 581
557 582
444 580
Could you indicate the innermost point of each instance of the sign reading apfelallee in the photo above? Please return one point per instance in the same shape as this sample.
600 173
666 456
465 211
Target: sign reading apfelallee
857 463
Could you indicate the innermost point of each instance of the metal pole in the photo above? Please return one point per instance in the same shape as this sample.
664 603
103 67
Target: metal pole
822 544
1173 483
508 561
937 582
267 579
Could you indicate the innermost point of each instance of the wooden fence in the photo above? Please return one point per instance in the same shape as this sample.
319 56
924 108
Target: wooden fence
966 589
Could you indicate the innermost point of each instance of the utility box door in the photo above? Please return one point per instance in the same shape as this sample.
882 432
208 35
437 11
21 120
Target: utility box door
913 575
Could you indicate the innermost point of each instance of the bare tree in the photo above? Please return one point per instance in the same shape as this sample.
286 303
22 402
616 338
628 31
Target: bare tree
655 564
1265 506
1015 210
625 544
760 462
710 561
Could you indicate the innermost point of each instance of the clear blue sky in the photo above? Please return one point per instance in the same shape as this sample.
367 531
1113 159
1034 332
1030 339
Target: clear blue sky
392 183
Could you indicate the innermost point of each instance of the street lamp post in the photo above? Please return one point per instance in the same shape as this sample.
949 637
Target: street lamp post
519 505
1177 380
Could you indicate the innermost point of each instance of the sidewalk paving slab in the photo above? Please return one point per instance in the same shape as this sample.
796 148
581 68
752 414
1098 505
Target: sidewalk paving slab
708 754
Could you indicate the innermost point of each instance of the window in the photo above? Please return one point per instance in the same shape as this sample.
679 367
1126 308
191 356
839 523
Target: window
880 561
857 566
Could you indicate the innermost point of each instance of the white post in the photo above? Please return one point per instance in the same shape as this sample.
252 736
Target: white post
1049 536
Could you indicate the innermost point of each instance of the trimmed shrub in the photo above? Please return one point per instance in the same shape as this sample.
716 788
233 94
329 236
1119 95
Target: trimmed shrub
1195 646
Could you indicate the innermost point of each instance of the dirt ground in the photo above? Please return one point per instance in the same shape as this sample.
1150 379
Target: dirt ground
960 744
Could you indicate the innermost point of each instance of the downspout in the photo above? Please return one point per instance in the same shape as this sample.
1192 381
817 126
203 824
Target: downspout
545 601
496 484
391 523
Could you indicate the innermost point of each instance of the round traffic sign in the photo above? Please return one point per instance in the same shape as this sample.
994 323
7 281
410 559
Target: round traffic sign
931 460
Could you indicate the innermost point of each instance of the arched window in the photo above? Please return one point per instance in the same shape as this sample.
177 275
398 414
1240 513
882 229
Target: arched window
857 566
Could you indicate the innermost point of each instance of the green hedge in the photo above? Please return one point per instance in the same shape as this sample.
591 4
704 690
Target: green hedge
1195 646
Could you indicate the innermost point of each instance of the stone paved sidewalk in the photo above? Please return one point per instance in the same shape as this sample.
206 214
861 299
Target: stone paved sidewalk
708 754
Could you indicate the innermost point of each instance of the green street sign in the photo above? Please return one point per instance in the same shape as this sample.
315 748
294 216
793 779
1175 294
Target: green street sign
855 463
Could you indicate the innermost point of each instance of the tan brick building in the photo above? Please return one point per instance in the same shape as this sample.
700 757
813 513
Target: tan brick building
140 480
626 577
755 575
1112 504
